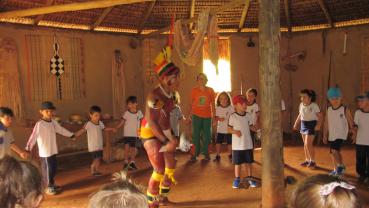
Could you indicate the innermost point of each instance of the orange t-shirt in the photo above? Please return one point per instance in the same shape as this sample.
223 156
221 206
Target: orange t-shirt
202 102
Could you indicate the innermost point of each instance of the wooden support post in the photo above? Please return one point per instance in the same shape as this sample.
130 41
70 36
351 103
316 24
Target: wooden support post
101 17
224 7
148 10
40 17
326 13
67 7
192 12
288 16
244 15
269 73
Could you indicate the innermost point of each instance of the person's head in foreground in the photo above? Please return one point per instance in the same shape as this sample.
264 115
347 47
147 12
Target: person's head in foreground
334 96
20 184
307 96
122 193
239 103
324 191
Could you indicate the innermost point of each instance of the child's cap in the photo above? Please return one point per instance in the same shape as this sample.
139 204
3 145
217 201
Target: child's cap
239 99
47 105
334 92
359 97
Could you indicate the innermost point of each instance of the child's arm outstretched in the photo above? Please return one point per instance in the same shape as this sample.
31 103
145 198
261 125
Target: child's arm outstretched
325 130
296 124
351 124
33 138
121 123
23 154
80 132
63 131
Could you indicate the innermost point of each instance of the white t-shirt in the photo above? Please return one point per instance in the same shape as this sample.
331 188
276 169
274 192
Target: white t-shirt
175 115
337 123
44 133
252 110
361 120
223 112
6 139
132 123
241 123
309 112
94 136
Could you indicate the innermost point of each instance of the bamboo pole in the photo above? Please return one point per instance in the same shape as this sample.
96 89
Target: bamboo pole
67 7
101 17
244 15
269 73
213 11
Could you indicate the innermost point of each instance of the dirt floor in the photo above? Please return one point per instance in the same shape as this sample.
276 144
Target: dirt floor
201 184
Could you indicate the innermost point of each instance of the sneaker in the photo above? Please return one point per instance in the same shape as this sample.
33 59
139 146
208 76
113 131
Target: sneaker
305 164
97 174
236 183
230 157
340 170
51 191
217 158
252 183
193 159
333 173
312 165
132 165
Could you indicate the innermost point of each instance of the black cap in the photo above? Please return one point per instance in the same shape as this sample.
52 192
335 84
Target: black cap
47 105
359 97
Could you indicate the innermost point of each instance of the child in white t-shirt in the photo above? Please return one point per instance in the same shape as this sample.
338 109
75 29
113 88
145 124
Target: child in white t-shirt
239 125
95 141
223 110
253 110
310 118
6 135
131 120
44 133
338 122
361 137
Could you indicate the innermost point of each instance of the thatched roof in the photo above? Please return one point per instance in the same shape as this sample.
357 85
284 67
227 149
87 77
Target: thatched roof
147 16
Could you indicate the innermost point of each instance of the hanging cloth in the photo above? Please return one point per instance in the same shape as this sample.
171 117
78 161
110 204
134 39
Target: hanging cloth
57 67
118 83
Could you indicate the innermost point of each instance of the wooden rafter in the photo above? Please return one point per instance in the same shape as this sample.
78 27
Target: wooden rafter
326 13
213 11
288 15
101 17
40 17
244 15
143 21
68 7
192 12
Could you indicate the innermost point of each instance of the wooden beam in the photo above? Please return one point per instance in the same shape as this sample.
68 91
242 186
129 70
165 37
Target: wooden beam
244 15
148 10
269 75
192 12
67 7
288 15
101 17
213 11
40 17
326 13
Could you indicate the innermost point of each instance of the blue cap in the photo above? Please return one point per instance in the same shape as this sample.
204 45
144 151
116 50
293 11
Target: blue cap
334 92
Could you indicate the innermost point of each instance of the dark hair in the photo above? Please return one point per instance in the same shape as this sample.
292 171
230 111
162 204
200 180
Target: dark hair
310 93
201 74
20 181
95 109
252 90
307 194
131 99
5 111
228 98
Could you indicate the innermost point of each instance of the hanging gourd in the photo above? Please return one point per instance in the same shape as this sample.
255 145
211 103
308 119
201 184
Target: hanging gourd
57 68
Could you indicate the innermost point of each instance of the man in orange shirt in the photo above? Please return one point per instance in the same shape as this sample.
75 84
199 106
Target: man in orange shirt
202 108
